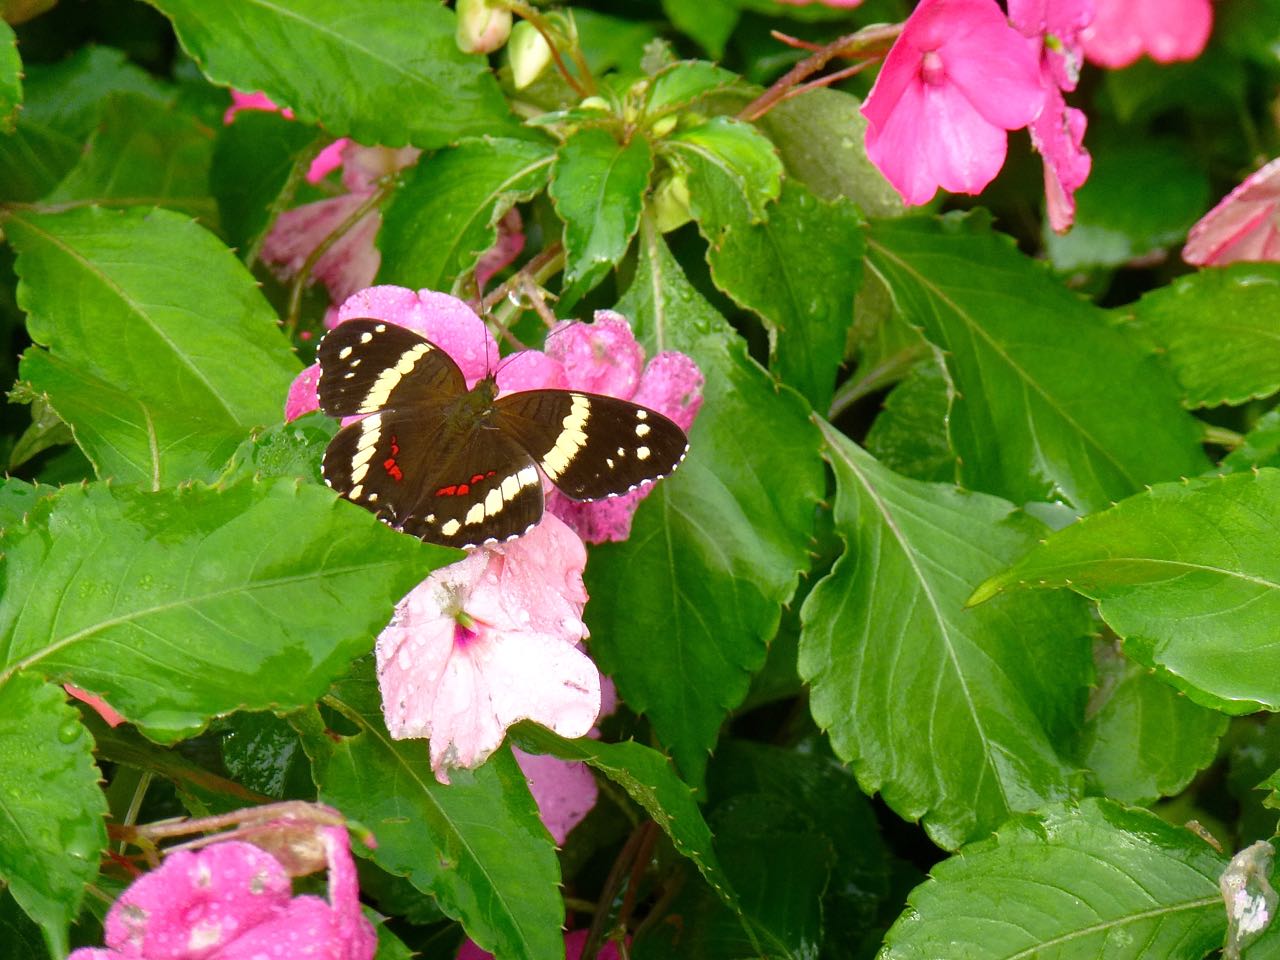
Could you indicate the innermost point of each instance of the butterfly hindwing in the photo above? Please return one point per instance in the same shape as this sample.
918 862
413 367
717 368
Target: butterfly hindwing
591 446
369 365
439 484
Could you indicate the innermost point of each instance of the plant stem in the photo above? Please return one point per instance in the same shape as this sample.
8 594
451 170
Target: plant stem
866 43
631 860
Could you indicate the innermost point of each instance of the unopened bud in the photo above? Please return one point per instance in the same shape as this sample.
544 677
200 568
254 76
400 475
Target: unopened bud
664 125
595 103
671 203
483 26
529 52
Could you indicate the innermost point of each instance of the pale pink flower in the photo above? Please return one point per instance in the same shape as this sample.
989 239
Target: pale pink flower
326 161
233 901
574 941
1166 30
505 249
604 357
1245 225
487 642
352 261
1053 28
956 80
564 790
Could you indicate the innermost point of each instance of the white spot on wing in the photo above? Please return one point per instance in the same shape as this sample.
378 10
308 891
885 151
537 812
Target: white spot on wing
474 515
642 430
493 502
451 527
345 352
642 453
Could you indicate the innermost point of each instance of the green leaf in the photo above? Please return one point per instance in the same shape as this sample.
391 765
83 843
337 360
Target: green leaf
682 84
697 590
445 215
143 153
1144 740
818 797
162 352
379 71
799 270
709 22
820 136
1094 882
1053 403
10 79
598 186
62 102
263 753
47 430
989 696
17 498
1188 575
51 809
648 779
254 159
1117 217
1216 328
733 173
292 449
910 434
1261 445
476 845
20 938
175 608
610 43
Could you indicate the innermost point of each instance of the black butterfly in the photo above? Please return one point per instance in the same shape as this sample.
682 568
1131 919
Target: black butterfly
460 467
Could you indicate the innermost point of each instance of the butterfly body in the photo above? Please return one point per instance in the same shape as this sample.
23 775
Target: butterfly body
461 467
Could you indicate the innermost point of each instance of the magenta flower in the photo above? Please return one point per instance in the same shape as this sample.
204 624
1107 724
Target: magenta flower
1245 225
488 641
954 82
1166 30
233 901
1054 27
604 357
326 161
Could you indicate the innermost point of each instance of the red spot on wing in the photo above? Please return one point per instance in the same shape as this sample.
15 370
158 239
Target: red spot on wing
448 491
395 447
393 469
463 489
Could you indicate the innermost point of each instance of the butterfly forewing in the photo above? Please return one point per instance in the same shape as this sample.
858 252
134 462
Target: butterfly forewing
369 365
591 446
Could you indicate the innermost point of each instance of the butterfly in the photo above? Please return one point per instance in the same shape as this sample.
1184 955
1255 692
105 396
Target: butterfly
461 467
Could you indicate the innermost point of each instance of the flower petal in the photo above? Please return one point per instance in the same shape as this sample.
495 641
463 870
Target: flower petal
599 357
565 791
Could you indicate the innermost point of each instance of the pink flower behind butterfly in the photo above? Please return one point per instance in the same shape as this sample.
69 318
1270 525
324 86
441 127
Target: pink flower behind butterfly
956 80
604 357
488 641
1245 225
1166 30
233 901
1053 27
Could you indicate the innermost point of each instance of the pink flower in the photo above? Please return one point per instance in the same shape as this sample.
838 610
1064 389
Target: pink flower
107 712
564 790
233 901
955 81
352 261
488 641
1167 30
604 357
1054 27
574 941
1245 225
508 246
326 161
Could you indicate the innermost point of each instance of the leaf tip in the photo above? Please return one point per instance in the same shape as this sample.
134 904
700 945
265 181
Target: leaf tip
985 591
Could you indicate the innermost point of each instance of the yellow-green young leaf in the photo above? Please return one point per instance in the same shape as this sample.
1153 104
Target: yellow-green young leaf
51 808
380 71
144 153
954 718
153 342
10 78
1144 740
598 186
1053 403
1093 882
1216 328
697 590
475 845
732 169
1188 574
445 214
182 605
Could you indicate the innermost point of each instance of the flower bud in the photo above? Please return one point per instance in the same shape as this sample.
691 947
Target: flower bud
671 203
483 26
529 52
664 125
